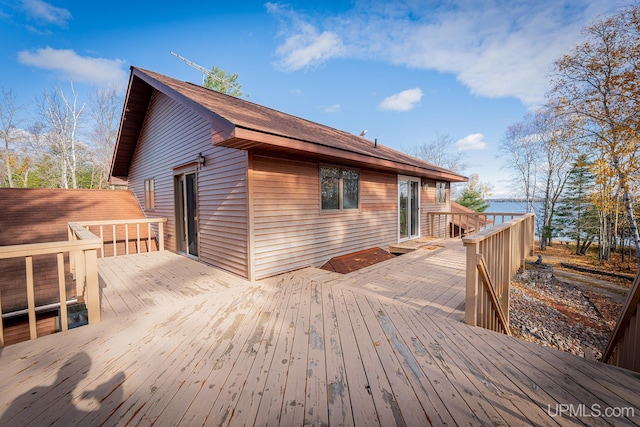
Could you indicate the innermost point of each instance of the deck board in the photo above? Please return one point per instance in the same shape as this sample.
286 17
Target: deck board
182 343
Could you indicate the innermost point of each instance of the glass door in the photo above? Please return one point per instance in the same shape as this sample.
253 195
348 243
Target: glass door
408 208
187 213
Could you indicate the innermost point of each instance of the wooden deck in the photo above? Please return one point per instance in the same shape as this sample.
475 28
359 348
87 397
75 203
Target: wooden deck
185 344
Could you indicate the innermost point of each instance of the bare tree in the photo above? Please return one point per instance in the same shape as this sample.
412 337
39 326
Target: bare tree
520 148
61 115
557 158
8 128
442 152
105 109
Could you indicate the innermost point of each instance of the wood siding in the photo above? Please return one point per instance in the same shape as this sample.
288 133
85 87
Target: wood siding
428 204
291 232
172 136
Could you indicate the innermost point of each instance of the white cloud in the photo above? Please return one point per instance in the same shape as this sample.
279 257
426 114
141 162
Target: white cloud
496 48
474 141
42 11
296 92
335 108
304 45
402 101
72 66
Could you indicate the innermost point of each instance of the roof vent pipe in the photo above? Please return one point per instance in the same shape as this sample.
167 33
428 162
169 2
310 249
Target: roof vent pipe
375 143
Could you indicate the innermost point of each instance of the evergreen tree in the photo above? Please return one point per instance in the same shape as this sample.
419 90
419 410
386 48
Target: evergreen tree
473 195
577 216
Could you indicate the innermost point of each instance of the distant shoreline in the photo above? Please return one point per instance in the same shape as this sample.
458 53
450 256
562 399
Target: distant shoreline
507 200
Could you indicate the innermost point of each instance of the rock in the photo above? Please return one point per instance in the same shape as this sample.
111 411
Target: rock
557 314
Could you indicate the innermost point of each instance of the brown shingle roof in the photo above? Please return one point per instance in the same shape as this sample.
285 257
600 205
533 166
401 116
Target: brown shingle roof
231 113
38 215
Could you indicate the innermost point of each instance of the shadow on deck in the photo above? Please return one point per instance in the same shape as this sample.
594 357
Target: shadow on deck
182 343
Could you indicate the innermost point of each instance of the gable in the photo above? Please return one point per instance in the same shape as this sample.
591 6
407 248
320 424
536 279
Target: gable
241 124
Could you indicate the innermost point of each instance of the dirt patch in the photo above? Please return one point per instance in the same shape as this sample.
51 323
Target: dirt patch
565 252
566 314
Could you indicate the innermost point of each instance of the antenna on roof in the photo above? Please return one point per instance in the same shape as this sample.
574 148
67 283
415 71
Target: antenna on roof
363 133
205 72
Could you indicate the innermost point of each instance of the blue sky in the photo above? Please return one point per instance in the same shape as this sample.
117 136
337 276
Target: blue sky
405 71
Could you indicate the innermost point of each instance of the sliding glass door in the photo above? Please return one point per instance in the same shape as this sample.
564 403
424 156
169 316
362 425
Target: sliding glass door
408 207
187 213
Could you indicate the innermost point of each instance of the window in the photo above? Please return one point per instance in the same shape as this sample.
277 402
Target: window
441 192
339 188
149 194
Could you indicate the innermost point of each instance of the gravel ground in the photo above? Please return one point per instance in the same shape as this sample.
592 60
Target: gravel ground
561 315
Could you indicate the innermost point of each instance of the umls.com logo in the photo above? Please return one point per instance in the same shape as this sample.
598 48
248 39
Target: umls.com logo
589 411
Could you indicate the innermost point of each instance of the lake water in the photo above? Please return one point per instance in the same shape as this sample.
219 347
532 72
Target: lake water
495 206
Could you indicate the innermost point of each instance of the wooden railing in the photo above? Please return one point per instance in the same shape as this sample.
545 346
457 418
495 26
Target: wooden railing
493 257
127 233
457 224
623 349
83 250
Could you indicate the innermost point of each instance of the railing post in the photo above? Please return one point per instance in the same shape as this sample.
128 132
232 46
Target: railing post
31 299
93 288
115 240
80 274
160 236
505 283
62 289
72 260
102 240
126 238
471 293
1 325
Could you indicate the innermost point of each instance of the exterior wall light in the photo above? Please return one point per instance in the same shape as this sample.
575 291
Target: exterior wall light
201 159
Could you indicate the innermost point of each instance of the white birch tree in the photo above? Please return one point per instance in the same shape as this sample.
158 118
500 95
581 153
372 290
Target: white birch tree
61 116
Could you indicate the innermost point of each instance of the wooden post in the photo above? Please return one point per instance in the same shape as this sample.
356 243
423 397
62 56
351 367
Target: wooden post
471 293
138 235
102 240
1 326
31 300
432 225
93 287
62 287
80 275
115 240
148 237
126 239
72 260
506 273
161 235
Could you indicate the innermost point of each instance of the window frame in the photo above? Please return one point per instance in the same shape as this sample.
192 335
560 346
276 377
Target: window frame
341 207
150 194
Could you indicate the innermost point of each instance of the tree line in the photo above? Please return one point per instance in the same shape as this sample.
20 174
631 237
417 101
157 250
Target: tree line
62 142
578 153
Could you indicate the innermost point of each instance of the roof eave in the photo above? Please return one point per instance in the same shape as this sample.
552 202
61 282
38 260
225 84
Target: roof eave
246 139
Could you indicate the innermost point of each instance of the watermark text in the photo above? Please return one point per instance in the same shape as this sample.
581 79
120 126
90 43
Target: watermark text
589 411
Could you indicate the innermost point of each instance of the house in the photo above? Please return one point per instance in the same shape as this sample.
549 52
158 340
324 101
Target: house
258 192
